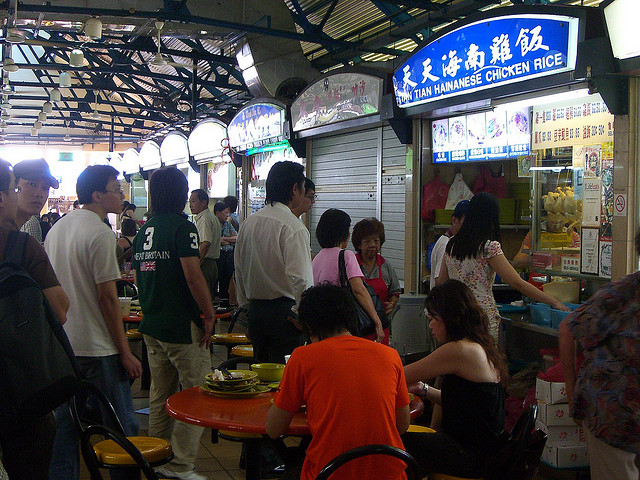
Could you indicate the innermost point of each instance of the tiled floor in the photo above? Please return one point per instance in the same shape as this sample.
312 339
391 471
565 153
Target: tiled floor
220 461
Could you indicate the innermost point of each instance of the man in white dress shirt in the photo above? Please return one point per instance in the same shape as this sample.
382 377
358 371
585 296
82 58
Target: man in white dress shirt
273 266
210 235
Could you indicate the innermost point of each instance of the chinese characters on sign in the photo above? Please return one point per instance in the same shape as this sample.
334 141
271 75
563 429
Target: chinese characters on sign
502 133
499 51
335 98
580 122
256 125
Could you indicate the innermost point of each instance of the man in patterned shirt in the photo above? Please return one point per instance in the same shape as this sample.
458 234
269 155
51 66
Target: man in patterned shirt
604 392
34 180
228 242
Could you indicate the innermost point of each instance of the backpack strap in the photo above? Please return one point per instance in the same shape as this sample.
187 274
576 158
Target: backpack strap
16 247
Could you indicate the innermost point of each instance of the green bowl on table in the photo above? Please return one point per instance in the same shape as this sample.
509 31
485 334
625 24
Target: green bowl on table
268 372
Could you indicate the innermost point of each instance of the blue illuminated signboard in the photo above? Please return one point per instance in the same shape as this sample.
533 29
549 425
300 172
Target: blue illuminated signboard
256 125
496 135
487 54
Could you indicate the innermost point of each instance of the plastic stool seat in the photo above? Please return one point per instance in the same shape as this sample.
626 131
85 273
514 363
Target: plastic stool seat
444 476
229 338
242 351
133 334
153 449
420 429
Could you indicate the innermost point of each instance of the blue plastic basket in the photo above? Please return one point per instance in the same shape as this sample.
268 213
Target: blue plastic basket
540 314
558 315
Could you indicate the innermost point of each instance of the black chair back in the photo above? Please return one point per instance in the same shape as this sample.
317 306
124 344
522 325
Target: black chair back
83 417
239 317
518 457
333 465
91 460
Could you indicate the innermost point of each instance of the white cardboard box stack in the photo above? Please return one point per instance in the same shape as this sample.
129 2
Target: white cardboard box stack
566 446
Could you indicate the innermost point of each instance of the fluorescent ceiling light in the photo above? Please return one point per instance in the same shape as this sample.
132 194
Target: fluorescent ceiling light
621 17
536 100
9 65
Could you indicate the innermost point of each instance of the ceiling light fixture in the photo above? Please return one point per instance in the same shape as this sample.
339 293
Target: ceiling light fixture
5 105
93 28
158 59
42 116
3 124
67 137
37 124
55 95
14 34
76 58
34 132
9 65
47 107
5 115
65 80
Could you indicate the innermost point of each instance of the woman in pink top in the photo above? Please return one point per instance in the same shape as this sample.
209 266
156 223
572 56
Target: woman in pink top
332 233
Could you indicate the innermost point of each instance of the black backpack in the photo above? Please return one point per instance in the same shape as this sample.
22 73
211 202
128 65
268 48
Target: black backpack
38 371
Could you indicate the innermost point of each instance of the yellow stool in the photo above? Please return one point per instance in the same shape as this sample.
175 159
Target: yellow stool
133 334
153 449
420 429
242 351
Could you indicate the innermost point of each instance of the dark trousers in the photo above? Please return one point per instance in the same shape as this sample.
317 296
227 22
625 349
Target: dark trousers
225 272
441 453
209 268
271 334
27 446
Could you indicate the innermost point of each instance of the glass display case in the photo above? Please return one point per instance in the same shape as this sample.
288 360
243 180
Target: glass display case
572 214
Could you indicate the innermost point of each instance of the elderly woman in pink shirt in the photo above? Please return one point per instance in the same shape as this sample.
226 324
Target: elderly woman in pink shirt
332 233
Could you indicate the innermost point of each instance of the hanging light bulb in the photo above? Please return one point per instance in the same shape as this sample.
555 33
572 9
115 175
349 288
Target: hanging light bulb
55 95
15 36
5 105
47 107
67 137
42 116
9 65
34 132
76 58
37 124
93 28
65 80
6 88
3 124
5 116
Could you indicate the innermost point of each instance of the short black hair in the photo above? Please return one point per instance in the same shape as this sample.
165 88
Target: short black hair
365 228
168 190
281 179
5 175
326 310
231 202
94 179
309 185
220 206
129 227
202 195
333 228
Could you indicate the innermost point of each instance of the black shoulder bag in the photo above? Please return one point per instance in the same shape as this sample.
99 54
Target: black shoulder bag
366 326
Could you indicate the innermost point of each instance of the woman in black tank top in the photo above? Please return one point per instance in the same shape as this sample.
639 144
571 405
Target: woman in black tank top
472 396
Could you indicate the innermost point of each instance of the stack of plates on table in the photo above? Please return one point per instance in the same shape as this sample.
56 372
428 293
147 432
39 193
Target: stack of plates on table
244 384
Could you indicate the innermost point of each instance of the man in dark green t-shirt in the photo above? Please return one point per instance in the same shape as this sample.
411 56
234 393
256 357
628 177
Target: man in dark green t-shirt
172 292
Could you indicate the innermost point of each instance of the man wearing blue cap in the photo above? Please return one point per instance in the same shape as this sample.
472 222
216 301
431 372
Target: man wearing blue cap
33 179
437 254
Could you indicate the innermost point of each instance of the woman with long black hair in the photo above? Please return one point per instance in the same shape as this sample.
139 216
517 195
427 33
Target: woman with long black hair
474 256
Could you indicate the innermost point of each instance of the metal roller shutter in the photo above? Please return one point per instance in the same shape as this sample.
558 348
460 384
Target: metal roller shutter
393 197
345 170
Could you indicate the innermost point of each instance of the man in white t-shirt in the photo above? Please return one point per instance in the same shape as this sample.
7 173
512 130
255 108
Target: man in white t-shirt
82 251
210 236
437 254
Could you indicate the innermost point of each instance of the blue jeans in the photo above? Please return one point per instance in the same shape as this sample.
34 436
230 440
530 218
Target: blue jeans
107 374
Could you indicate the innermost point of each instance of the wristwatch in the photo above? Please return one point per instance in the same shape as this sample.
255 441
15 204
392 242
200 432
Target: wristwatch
424 389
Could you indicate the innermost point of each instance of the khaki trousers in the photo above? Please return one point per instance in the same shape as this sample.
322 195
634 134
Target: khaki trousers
172 365
610 463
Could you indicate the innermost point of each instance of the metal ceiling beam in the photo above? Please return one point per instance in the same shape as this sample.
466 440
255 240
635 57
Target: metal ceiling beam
184 18
137 73
433 19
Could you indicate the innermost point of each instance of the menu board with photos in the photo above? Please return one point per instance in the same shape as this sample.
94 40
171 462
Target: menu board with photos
496 135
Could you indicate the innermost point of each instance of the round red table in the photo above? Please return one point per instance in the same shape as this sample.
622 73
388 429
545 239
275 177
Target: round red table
246 415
